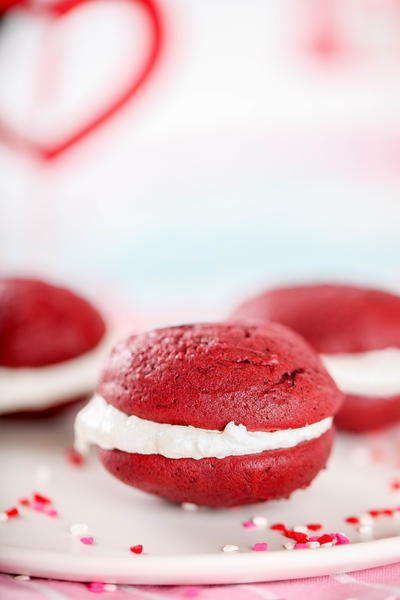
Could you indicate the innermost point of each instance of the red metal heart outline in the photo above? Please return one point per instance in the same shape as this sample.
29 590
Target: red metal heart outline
57 11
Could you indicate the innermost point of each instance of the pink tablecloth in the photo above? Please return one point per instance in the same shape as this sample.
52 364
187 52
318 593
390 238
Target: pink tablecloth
372 584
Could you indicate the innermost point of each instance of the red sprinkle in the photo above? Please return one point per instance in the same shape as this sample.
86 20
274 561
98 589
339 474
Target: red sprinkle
388 512
352 520
74 457
136 549
12 512
41 499
24 502
374 513
395 485
300 537
278 527
324 539
314 526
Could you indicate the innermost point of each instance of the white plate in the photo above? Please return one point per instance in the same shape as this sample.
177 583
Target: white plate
182 547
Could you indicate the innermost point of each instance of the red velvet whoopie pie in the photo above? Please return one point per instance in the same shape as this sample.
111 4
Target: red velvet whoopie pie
356 331
52 342
214 414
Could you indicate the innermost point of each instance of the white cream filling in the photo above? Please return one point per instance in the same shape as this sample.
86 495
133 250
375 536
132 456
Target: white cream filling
101 424
25 388
373 373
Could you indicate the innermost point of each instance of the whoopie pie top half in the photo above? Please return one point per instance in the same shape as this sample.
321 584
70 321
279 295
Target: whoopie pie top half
332 318
42 324
205 375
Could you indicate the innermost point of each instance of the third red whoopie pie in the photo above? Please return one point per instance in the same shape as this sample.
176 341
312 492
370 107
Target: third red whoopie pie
356 331
52 343
214 414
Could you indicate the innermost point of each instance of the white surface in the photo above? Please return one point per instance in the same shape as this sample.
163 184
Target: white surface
374 373
180 546
41 387
104 425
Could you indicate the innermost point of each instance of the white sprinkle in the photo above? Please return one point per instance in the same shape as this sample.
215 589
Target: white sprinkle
288 546
79 529
314 544
327 545
301 529
110 587
3 517
365 530
396 514
260 521
366 519
22 577
43 474
189 506
230 548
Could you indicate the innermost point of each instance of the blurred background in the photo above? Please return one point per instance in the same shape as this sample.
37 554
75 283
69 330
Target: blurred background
177 155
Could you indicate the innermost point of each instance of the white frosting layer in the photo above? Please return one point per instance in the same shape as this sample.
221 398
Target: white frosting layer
101 424
25 388
374 373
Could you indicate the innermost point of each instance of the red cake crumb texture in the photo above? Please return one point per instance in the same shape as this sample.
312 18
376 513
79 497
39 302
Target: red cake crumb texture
42 324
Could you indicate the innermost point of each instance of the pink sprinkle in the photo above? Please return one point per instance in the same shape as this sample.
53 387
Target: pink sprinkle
87 540
341 539
260 547
300 546
313 538
38 506
191 593
96 587
249 525
52 512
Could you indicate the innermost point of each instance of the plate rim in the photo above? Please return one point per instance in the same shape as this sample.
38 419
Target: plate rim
207 568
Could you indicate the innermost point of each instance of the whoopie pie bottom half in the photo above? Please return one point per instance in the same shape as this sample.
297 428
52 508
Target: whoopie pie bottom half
51 411
222 482
361 414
